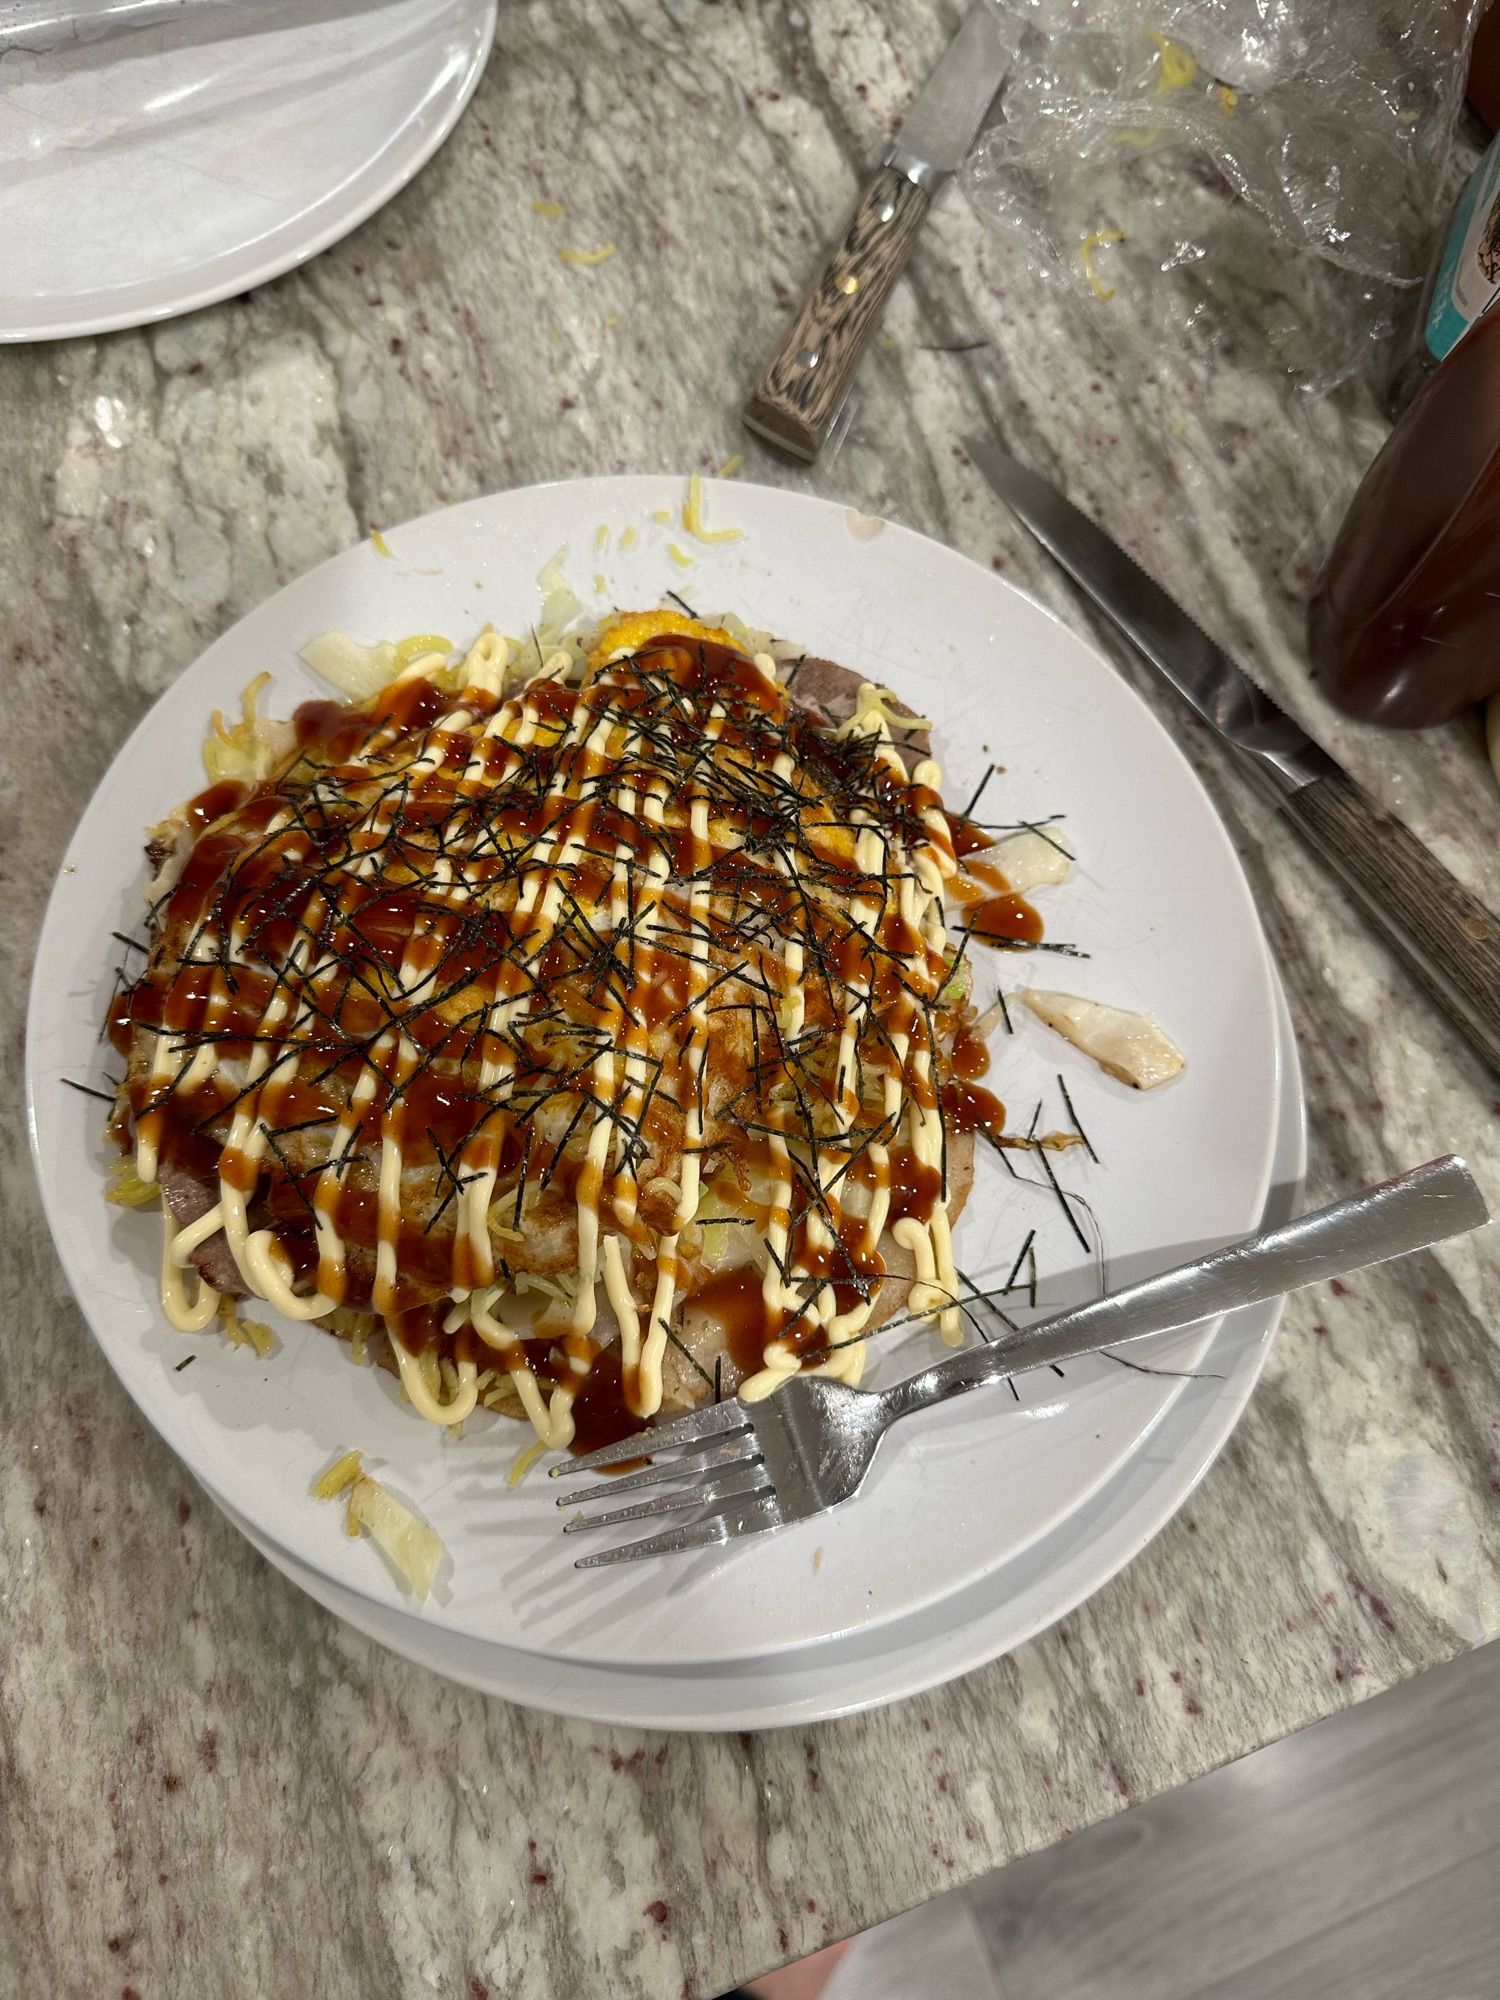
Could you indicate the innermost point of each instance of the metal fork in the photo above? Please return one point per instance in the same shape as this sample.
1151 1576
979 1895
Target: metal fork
745 1468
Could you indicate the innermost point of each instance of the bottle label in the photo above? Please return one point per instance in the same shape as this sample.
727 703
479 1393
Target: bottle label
1468 279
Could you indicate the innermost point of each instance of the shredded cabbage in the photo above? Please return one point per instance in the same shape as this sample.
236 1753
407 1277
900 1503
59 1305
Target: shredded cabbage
342 1473
126 1189
717 1236
989 1020
245 1332
1029 861
562 1291
1132 1047
398 1531
875 715
561 605
357 671
249 749
957 986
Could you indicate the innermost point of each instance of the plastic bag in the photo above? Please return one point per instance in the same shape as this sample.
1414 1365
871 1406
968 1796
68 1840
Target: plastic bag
1217 165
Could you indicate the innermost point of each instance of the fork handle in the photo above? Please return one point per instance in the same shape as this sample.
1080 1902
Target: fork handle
1418 1208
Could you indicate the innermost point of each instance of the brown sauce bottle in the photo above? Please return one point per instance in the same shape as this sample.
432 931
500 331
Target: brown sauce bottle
1404 624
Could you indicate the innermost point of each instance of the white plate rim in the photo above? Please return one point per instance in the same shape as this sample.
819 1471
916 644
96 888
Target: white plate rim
644 487
255 271
1133 1504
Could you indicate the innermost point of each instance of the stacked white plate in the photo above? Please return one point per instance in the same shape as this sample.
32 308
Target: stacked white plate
151 168
983 1521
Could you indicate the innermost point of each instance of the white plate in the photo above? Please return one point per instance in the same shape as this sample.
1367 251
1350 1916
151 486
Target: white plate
1158 896
162 168
965 1631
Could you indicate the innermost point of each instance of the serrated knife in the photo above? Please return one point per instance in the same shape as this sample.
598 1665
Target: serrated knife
799 395
1443 935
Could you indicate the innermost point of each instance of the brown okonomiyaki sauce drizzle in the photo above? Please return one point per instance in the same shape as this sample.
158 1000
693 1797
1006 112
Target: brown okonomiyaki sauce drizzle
593 970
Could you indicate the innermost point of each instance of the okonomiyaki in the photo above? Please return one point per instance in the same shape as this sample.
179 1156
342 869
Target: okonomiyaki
581 1031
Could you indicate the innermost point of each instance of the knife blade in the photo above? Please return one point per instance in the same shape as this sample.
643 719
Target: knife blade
1444 936
801 390
947 112
1156 624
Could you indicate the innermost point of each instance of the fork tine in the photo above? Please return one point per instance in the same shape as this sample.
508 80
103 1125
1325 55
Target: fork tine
726 1524
712 1421
705 1494
711 1456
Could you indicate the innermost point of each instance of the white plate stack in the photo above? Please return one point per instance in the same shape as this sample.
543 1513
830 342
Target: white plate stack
155 157
983 1521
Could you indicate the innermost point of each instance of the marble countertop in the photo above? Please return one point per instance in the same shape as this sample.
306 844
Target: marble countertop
209 1785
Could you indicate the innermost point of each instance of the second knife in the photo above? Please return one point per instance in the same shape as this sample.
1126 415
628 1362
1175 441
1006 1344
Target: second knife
1443 935
803 386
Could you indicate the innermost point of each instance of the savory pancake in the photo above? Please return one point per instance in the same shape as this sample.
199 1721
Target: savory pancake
593 1032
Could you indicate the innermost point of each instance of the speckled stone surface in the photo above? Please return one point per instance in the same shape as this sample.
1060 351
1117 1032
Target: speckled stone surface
208 1786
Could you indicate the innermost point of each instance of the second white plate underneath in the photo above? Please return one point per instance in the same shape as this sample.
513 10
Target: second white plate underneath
1157 902
151 170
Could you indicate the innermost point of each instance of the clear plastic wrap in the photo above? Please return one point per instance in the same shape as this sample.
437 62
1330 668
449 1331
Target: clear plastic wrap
1218 165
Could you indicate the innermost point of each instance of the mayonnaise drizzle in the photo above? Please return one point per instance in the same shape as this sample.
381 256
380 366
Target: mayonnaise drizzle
491 732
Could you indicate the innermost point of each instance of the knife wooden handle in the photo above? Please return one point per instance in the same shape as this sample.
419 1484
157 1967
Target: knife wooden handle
804 384
1442 933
